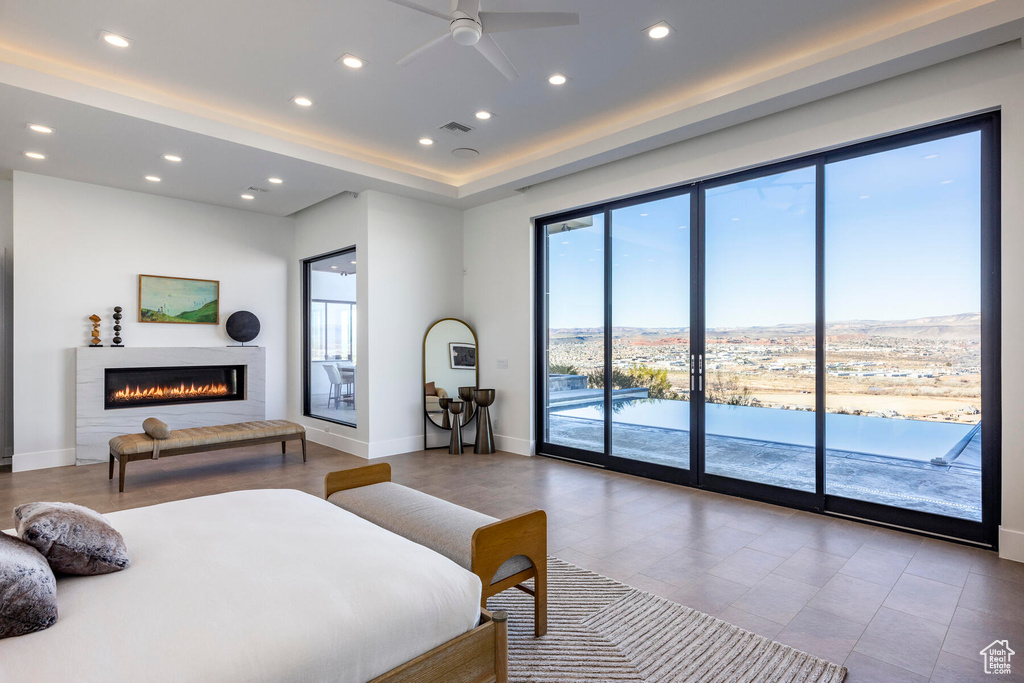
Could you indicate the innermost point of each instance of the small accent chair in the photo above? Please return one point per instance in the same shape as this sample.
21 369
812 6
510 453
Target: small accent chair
335 378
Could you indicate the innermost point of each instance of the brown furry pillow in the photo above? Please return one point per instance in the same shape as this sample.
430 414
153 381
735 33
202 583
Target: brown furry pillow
28 590
74 539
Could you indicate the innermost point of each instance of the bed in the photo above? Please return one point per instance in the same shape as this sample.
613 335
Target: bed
265 585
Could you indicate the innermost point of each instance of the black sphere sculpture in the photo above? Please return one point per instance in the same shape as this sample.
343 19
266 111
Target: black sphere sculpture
117 326
242 326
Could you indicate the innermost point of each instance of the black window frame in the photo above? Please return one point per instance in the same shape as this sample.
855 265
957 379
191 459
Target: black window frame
307 302
983 533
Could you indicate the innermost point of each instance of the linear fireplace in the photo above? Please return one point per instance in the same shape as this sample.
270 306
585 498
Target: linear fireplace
137 387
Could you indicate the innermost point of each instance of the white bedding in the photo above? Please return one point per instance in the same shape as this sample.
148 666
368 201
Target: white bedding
269 585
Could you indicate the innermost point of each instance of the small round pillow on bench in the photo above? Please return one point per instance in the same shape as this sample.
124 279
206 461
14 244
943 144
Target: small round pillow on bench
157 429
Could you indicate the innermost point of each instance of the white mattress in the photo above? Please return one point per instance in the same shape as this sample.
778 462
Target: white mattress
270 585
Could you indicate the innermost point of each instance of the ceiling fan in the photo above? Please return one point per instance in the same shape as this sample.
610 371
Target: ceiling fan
469 26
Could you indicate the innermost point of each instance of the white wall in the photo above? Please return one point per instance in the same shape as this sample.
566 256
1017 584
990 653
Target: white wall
80 249
336 223
498 250
7 304
415 277
409 257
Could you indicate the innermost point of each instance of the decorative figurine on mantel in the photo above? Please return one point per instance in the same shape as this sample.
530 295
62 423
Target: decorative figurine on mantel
95 330
117 327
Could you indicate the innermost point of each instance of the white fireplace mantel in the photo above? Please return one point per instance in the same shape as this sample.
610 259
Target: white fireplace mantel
96 426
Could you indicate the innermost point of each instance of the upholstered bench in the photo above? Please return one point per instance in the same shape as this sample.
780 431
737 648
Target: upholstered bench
129 447
503 553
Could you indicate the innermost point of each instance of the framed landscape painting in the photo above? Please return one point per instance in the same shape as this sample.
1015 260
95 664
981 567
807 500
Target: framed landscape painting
178 300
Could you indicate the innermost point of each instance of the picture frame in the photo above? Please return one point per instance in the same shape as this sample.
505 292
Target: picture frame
462 355
178 300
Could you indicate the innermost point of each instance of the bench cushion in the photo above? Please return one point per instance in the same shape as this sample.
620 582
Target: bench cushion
443 527
133 444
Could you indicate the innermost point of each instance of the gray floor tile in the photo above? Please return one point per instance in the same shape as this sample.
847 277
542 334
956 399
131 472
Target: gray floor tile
780 541
811 566
708 593
894 542
970 632
821 634
993 596
941 564
903 640
923 598
877 566
751 622
681 566
952 669
864 669
850 597
746 566
722 542
776 598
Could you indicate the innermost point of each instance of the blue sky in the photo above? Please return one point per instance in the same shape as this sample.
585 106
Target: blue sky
902 241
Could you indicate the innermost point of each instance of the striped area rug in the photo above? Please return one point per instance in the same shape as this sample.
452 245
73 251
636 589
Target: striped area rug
603 630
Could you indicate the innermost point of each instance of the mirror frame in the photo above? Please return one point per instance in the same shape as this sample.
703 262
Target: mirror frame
476 342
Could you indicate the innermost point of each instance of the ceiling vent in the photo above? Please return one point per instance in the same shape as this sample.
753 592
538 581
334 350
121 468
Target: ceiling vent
253 188
456 128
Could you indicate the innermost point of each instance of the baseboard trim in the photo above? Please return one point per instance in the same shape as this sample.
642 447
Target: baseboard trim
337 441
1011 544
405 444
23 462
511 444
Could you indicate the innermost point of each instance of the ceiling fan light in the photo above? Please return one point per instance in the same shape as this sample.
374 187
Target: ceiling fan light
659 30
557 79
466 31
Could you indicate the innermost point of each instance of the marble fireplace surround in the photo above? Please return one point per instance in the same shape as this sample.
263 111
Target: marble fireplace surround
95 426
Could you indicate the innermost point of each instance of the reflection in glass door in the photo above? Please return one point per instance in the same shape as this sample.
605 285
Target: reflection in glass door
574 344
760 330
903 335
651 332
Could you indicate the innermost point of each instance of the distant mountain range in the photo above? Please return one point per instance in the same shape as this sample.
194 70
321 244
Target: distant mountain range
965 326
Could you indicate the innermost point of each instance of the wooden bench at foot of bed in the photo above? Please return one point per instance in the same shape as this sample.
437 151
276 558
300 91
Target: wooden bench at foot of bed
129 447
502 553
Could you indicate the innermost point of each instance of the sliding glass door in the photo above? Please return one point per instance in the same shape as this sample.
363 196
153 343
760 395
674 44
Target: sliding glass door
821 333
759 364
903 240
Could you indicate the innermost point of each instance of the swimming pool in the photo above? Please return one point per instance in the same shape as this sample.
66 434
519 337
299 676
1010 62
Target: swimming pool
916 440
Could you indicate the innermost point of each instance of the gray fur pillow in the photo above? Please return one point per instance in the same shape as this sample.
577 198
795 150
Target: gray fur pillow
28 590
74 539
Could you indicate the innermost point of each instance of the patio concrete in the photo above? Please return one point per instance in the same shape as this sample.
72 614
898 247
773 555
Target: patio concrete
951 490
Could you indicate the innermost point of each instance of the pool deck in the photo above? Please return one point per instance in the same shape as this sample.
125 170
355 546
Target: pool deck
953 490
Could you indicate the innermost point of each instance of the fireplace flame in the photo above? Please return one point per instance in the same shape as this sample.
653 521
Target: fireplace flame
128 394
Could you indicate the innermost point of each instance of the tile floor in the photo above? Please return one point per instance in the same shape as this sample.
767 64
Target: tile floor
891 606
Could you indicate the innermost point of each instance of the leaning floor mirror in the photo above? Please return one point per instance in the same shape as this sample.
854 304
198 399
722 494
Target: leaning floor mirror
450 375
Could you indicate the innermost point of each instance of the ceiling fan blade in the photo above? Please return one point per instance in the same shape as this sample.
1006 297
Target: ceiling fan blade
498 22
423 48
421 8
494 54
470 7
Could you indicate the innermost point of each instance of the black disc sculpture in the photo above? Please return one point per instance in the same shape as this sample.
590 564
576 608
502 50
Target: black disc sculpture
117 326
242 326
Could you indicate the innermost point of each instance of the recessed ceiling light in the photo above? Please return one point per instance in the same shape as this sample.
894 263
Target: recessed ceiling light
557 79
945 182
426 141
659 30
351 61
247 196
303 101
643 215
172 157
115 39
334 267
35 155
40 128
931 156
153 178
352 262
483 115
865 196
276 181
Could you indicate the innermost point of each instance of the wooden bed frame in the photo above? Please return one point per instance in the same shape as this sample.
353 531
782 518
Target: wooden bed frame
477 656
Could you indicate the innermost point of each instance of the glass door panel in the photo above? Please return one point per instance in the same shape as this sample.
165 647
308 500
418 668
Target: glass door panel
759 365
573 414
651 332
903 327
